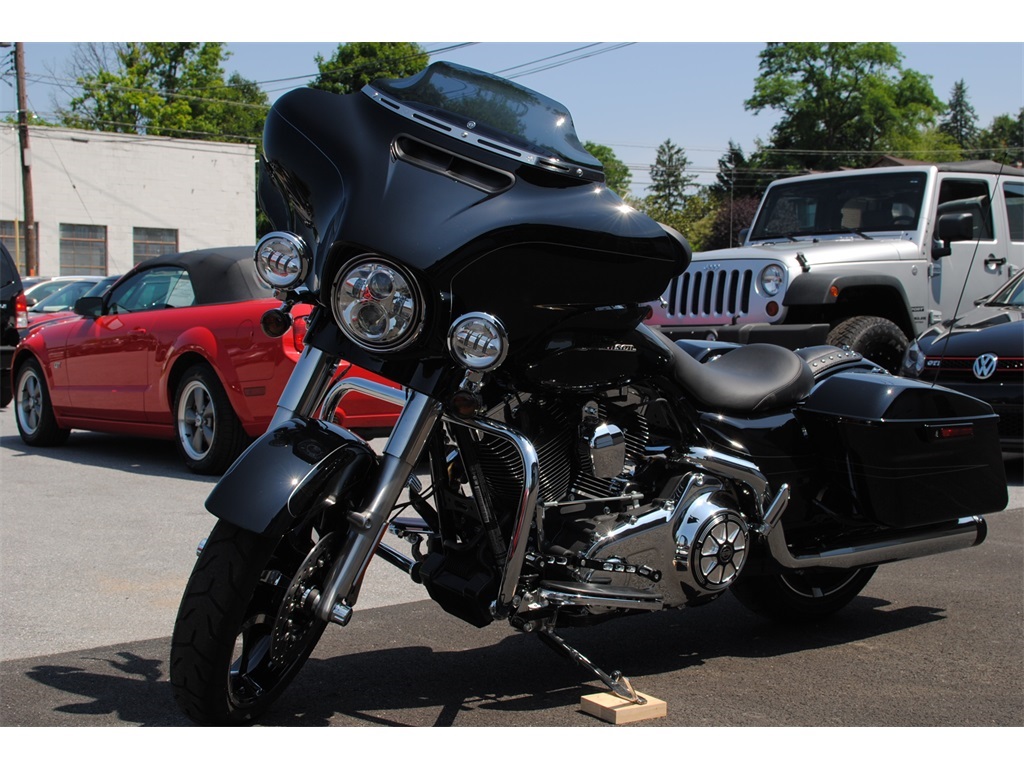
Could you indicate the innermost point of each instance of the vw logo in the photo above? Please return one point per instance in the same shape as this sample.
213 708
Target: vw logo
985 366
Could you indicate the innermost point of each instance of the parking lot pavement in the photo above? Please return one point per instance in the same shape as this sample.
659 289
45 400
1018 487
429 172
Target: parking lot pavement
97 539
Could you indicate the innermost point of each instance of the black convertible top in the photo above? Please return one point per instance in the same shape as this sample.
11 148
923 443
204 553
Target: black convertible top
218 274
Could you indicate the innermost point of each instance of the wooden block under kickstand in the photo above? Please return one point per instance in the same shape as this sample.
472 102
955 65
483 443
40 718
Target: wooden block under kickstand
616 711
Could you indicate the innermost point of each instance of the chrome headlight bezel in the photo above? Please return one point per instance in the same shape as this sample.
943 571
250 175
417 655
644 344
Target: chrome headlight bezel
371 292
771 280
478 341
282 260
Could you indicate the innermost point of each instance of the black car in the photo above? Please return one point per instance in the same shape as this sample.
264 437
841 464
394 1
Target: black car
11 295
981 354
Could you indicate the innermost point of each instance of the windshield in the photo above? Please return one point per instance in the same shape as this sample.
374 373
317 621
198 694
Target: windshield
1010 295
860 204
465 99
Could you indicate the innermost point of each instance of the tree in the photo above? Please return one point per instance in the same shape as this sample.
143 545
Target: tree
668 178
354 65
740 176
840 102
616 173
960 122
1003 140
164 89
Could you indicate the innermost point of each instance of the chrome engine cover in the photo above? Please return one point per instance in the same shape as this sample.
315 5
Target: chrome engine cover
698 543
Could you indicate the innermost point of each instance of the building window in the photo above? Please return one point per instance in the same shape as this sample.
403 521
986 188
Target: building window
148 242
14 238
83 249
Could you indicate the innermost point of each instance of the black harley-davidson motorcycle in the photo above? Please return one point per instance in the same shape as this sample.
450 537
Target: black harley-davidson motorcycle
556 461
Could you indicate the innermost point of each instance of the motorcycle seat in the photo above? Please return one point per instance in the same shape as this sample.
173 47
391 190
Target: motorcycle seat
748 379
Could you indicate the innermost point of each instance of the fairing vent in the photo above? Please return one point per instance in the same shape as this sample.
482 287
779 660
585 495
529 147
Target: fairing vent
455 167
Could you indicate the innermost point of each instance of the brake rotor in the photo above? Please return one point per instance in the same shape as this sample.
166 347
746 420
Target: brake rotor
297 614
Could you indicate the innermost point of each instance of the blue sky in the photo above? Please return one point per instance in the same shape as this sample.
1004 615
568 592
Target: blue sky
630 97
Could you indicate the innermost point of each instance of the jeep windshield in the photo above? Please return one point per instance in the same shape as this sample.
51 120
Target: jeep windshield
857 205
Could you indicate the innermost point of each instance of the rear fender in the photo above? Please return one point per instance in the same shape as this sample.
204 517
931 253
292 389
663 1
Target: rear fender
299 469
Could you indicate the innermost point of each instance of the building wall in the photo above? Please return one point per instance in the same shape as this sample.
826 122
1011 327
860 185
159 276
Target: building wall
205 190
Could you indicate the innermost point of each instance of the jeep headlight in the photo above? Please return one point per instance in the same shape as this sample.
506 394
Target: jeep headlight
772 279
377 304
282 260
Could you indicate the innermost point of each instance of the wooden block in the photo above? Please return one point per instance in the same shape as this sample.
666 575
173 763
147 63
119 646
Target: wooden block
612 709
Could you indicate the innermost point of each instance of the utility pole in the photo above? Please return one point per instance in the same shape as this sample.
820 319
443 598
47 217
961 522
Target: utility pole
31 265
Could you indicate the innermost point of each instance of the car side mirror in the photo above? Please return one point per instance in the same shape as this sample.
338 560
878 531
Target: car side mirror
953 227
743 235
89 306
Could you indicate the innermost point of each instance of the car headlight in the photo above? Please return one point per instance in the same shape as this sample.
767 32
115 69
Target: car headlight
478 341
913 360
377 304
282 260
772 278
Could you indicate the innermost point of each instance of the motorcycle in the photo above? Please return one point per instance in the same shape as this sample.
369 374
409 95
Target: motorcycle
556 461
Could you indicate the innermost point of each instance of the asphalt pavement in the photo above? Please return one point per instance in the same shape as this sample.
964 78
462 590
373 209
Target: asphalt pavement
97 539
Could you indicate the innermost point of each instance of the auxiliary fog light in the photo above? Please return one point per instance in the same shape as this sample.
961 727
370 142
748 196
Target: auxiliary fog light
478 341
282 260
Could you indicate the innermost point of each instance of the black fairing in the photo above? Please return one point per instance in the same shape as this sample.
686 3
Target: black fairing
481 231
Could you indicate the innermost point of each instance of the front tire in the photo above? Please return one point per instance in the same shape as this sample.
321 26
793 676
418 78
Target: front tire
33 409
879 340
245 626
207 432
801 596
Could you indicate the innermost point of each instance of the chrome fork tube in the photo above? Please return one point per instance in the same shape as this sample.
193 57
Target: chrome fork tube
403 449
306 386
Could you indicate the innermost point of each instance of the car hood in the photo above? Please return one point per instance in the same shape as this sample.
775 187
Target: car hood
996 330
820 251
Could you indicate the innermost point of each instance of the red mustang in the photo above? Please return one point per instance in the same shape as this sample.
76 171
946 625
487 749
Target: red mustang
172 350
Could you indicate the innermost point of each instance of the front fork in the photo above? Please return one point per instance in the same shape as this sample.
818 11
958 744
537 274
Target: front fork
305 393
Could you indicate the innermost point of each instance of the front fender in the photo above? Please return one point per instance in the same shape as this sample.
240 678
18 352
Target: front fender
299 469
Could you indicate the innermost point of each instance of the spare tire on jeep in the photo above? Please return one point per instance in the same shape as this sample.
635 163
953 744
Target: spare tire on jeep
879 340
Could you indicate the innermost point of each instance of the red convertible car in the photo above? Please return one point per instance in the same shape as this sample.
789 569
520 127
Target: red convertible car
172 350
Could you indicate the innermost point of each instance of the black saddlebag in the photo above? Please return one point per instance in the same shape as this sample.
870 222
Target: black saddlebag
909 453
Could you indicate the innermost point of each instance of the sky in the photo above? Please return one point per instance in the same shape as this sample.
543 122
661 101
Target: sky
630 97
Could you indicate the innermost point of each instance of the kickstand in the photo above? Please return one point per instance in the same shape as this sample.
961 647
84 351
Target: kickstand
617 683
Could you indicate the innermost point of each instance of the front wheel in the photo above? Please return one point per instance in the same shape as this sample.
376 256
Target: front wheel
798 596
246 623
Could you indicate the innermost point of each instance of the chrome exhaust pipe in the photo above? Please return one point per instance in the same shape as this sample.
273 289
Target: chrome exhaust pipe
917 542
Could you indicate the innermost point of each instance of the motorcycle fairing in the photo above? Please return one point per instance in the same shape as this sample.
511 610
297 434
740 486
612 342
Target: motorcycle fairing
299 469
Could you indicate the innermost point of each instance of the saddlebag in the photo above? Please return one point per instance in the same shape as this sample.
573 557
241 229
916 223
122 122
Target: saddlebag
909 453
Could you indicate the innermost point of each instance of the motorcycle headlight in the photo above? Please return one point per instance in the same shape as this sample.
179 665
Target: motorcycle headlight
282 260
478 341
772 278
913 361
377 304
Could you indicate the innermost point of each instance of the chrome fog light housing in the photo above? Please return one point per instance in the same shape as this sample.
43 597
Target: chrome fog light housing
282 260
478 341
913 361
377 304
771 280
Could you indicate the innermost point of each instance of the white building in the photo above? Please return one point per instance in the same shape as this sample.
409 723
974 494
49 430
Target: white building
105 201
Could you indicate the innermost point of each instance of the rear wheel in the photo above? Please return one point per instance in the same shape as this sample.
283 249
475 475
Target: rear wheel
33 410
801 595
246 622
206 430
879 340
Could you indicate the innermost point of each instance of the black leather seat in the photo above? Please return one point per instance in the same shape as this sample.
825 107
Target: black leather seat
748 379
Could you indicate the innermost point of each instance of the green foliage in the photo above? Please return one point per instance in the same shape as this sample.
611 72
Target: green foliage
669 179
354 65
693 217
168 89
617 174
1003 140
840 102
960 121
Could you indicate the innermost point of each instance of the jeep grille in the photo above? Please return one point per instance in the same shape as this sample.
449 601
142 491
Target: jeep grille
712 294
